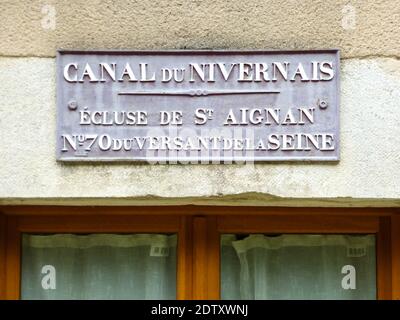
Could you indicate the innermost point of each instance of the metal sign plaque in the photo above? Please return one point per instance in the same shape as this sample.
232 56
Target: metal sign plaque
197 106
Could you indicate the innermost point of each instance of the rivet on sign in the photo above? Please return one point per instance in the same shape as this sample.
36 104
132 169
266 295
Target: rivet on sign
323 104
72 105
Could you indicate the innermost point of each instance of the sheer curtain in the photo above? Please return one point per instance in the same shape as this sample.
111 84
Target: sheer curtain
298 267
99 266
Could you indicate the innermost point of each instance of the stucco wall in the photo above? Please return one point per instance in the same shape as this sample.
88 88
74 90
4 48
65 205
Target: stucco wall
367 175
357 27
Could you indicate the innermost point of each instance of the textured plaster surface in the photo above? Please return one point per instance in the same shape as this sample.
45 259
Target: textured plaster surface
358 27
367 174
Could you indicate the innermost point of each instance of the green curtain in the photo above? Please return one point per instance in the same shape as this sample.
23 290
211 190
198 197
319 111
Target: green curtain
298 267
99 266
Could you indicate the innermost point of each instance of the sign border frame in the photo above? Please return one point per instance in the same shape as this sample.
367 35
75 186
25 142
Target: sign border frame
190 160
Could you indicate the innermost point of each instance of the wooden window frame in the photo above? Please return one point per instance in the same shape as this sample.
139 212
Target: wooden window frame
16 225
199 229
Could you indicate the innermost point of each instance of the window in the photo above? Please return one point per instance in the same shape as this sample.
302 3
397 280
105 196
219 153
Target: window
297 266
195 252
87 253
98 266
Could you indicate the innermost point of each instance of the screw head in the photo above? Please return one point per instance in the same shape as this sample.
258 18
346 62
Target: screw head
72 105
323 104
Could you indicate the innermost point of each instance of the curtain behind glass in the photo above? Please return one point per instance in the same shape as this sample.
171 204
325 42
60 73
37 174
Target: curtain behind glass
99 266
298 267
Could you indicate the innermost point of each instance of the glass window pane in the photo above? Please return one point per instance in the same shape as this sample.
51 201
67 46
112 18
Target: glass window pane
294 266
98 266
